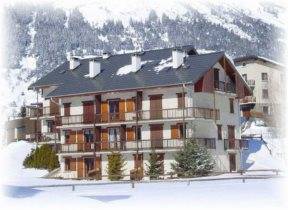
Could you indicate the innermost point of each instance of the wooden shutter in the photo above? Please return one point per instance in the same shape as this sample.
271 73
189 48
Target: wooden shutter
88 111
104 138
130 105
156 106
104 111
156 135
130 132
73 164
80 136
80 167
174 132
122 109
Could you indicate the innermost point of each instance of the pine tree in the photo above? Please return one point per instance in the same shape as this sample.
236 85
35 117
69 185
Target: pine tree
154 166
116 164
193 160
42 158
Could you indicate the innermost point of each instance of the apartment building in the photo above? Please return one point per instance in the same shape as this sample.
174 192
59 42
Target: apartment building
266 79
137 103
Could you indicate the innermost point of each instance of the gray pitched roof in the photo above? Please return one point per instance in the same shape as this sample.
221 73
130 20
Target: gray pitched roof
73 82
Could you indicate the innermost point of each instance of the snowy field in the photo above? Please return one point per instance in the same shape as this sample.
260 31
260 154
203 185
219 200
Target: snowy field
253 194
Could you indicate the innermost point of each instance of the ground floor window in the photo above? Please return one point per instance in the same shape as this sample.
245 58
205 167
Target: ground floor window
265 109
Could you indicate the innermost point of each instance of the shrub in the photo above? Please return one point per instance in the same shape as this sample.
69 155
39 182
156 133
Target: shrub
116 164
193 160
42 157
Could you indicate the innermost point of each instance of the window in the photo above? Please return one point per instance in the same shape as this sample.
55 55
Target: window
207 142
88 135
114 134
180 100
139 135
181 131
231 105
67 109
219 131
264 76
244 77
67 135
265 93
265 109
50 126
67 164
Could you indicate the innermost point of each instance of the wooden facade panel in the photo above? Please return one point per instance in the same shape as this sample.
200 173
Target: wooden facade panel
208 82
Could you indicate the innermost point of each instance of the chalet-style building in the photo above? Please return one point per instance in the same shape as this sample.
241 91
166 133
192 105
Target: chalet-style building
266 80
138 102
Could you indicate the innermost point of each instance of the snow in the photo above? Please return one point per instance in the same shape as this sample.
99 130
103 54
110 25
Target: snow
129 68
164 63
253 194
98 11
263 154
11 159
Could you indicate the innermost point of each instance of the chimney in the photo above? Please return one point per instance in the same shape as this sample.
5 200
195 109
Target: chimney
106 55
94 68
177 58
74 63
136 61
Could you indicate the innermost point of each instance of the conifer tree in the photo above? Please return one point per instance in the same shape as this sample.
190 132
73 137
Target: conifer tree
193 160
116 164
154 166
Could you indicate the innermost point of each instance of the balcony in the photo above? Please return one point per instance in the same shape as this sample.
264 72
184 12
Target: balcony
224 86
143 115
236 144
209 143
50 111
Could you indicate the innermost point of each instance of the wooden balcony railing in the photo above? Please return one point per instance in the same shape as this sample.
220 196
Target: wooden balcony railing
50 111
224 86
209 143
190 112
248 99
236 144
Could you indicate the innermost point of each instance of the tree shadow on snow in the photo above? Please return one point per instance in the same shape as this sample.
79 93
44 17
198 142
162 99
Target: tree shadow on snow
19 191
107 198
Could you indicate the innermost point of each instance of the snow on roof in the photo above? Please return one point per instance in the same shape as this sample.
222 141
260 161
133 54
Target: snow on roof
163 64
129 68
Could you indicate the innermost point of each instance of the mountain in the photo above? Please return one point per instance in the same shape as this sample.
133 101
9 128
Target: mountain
40 36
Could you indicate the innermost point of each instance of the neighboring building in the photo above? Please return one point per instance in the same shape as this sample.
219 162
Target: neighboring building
21 128
133 103
267 81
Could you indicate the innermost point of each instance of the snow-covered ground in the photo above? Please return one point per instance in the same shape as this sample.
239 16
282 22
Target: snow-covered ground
268 153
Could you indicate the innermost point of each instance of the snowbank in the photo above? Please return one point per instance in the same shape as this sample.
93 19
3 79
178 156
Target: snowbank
11 160
265 153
